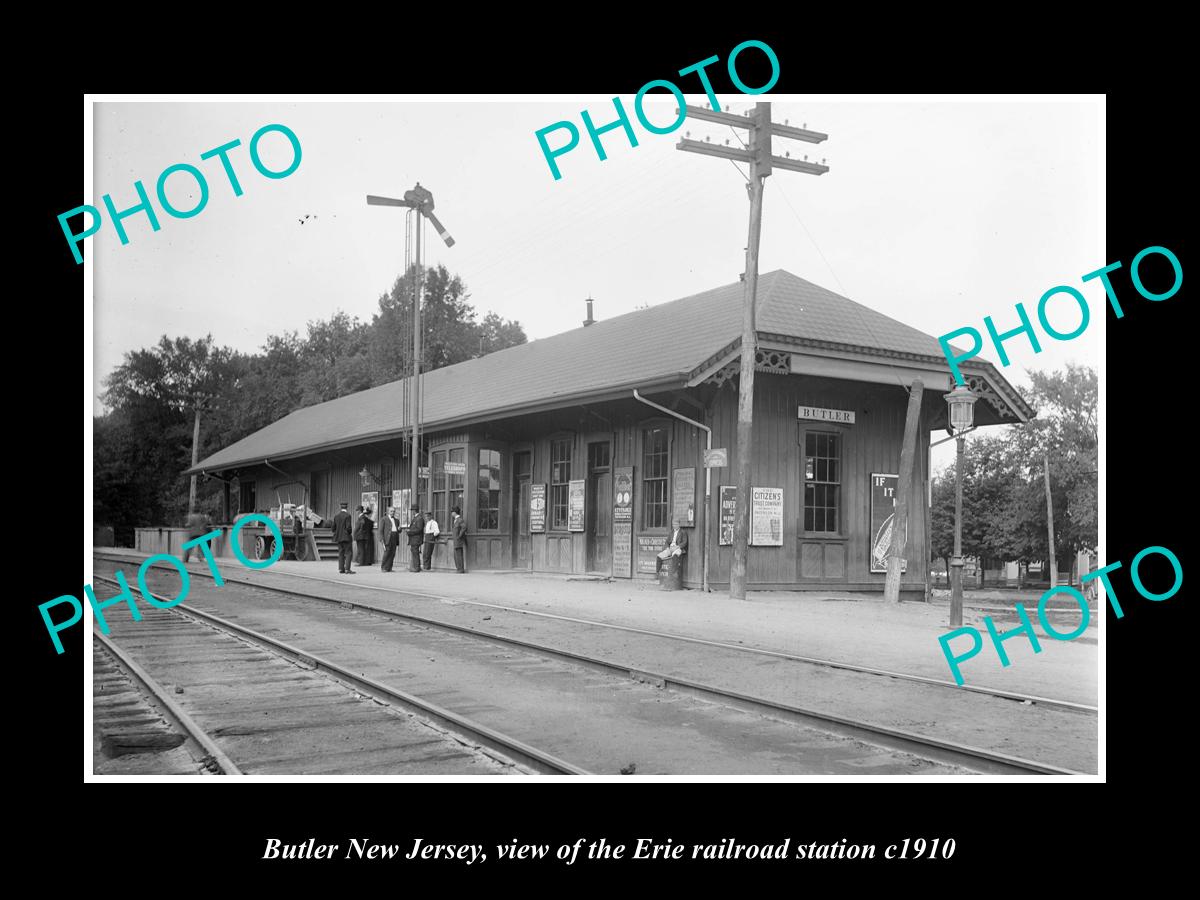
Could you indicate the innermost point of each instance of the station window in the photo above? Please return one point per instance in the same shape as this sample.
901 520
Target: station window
447 488
385 488
560 477
655 512
488 500
455 485
437 472
822 481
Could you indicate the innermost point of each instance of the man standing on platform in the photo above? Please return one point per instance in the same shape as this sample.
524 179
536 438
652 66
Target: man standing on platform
416 534
343 531
458 528
432 530
389 533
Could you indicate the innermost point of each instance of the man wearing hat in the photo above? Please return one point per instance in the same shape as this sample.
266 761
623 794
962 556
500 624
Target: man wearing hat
343 530
389 533
416 536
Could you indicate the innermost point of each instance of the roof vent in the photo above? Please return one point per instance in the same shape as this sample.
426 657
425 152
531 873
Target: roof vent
589 320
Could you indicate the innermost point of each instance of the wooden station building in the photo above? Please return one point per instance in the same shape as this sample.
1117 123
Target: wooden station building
560 465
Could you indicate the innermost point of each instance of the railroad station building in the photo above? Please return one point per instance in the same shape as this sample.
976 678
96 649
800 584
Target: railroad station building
575 453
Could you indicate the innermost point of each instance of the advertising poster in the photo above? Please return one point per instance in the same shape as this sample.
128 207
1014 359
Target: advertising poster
766 517
728 494
537 508
370 502
683 509
648 550
883 514
622 524
575 501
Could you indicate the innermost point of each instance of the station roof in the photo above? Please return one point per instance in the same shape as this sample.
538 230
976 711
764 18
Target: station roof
658 348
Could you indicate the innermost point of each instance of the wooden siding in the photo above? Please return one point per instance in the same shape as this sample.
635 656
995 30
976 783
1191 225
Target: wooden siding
841 561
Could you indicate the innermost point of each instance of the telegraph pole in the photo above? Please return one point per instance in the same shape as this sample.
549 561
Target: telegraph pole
1049 519
758 154
415 384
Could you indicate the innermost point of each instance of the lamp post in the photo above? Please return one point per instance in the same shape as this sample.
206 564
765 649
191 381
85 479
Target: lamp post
962 414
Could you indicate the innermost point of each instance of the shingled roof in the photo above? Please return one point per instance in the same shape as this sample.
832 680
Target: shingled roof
659 347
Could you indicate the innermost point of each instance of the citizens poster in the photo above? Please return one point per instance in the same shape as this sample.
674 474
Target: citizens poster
766 517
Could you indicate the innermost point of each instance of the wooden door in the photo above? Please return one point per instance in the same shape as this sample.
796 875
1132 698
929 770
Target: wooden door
522 474
598 505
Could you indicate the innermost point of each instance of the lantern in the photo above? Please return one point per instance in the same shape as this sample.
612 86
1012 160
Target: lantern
961 402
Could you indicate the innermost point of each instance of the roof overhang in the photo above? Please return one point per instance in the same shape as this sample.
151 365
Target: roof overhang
1003 404
552 402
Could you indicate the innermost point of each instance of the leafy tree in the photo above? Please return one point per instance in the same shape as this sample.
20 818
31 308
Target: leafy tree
143 443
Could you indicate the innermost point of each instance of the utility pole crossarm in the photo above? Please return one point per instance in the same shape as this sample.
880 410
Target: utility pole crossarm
733 153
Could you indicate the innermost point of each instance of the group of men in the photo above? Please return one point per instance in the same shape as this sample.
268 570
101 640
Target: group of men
422 531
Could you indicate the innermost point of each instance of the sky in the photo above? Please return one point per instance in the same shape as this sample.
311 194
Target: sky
936 212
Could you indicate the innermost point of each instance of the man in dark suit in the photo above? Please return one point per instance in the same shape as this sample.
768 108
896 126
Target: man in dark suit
389 533
459 532
366 538
416 536
343 536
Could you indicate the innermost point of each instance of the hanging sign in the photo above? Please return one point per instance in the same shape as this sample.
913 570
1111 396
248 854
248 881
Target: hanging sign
826 415
883 514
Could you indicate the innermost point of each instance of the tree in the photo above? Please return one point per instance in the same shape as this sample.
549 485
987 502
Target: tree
163 391
1004 501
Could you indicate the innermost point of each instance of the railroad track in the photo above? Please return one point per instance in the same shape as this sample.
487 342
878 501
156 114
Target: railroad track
1030 699
237 679
138 728
925 746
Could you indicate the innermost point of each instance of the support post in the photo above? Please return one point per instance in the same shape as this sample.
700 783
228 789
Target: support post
956 563
891 586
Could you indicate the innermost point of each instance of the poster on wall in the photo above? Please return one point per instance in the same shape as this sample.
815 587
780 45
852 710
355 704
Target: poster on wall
370 502
575 495
648 550
400 502
622 524
623 494
728 494
683 497
537 508
883 514
766 517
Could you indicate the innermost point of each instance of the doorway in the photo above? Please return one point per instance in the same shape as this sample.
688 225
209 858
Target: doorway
598 504
522 474
318 500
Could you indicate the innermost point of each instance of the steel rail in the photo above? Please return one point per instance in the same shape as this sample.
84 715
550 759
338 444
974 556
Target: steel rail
179 718
951 752
511 747
667 635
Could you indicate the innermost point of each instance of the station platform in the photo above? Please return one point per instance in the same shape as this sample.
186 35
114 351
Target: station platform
856 628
